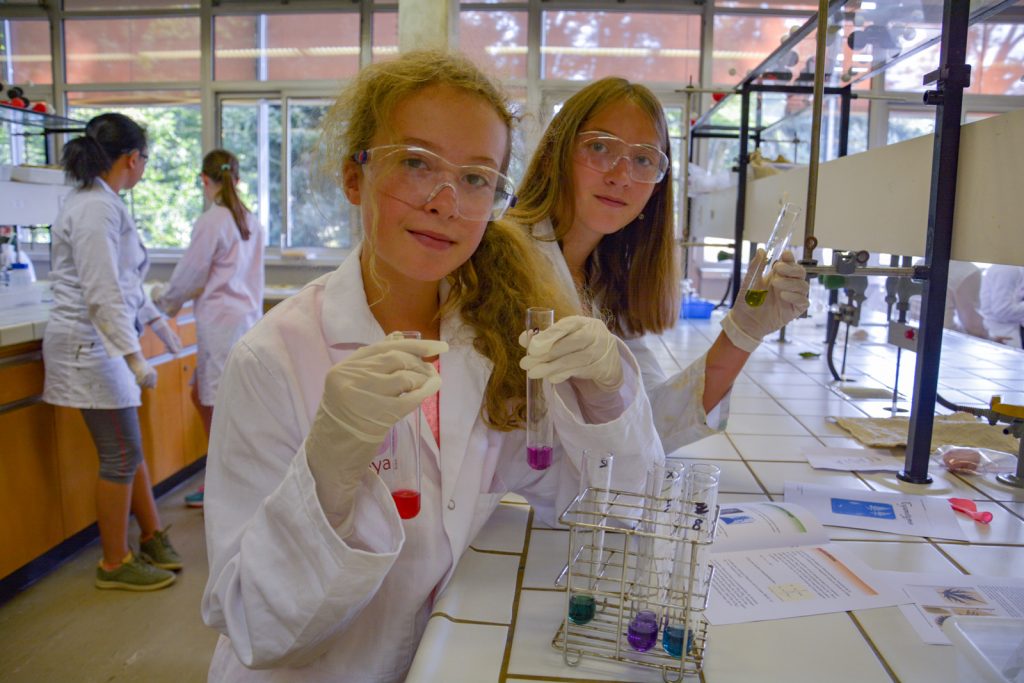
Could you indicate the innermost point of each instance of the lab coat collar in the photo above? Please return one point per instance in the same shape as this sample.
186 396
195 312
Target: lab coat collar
347 321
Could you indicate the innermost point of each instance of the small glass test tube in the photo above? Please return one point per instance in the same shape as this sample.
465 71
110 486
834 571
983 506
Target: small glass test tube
595 475
539 435
778 242
404 479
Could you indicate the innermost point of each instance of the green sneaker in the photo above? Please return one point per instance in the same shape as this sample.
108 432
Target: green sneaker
159 552
134 575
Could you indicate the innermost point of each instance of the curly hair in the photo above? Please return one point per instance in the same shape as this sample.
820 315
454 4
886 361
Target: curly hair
505 275
633 274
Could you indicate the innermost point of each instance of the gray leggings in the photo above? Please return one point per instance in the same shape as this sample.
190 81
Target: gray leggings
118 442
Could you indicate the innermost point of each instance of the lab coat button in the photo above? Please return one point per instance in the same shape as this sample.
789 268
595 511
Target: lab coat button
451 503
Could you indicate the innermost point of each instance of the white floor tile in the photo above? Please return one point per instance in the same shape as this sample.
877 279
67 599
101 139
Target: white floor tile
458 653
991 560
483 588
714 447
783 448
774 476
911 659
783 425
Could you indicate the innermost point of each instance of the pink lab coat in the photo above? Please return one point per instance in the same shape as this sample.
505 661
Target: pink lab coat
227 273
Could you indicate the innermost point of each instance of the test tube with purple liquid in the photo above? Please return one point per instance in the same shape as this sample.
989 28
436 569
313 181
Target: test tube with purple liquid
539 436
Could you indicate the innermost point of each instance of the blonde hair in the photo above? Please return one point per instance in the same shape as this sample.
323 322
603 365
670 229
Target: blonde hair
221 166
492 290
634 273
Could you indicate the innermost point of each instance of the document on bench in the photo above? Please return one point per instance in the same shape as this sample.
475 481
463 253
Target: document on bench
894 513
774 561
934 598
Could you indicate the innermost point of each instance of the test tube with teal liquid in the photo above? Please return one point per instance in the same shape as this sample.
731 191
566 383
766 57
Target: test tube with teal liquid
539 432
588 542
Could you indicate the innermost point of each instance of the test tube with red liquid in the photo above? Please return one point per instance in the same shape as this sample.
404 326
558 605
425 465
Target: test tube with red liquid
404 479
539 434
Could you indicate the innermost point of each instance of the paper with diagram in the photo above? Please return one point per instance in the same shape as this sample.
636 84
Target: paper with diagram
774 561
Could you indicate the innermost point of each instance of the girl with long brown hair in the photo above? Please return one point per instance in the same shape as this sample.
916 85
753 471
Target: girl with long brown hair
597 199
314 574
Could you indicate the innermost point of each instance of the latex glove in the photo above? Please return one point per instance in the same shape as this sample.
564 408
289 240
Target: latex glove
163 330
364 396
156 294
574 347
787 299
145 375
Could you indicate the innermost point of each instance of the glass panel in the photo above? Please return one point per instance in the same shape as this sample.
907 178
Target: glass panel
252 130
791 138
169 198
994 51
25 51
770 4
496 41
317 210
742 41
132 50
909 123
385 35
646 46
78 5
286 47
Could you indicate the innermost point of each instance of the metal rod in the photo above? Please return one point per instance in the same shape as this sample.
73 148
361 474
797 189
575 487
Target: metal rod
952 77
819 85
844 121
741 194
684 201
869 270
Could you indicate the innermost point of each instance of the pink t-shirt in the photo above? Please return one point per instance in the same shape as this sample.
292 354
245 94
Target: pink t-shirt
432 409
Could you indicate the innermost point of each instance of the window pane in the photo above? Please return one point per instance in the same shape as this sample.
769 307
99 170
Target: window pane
317 210
809 5
132 50
496 41
286 47
644 46
385 35
25 51
252 130
909 123
76 5
168 199
742 41
994 51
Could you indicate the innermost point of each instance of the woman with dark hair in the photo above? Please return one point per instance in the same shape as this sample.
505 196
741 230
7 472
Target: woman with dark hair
91 345
597 198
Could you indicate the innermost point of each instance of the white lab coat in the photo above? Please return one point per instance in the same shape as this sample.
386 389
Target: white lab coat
1002 303
963 307
291 596
99 308
227 271
677 401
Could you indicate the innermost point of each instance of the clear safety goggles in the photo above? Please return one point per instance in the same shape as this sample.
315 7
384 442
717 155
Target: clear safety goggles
601 152
416 176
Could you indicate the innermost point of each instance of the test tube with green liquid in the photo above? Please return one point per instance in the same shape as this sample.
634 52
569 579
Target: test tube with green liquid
761 266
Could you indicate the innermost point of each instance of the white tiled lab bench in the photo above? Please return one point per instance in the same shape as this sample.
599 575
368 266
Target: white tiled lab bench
497 618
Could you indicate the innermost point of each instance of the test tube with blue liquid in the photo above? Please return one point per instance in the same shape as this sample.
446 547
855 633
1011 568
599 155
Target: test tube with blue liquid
689 567
404 479
595 499
539 433
661 496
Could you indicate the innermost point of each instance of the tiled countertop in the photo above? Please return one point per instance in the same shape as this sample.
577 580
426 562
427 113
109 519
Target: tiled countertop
497 618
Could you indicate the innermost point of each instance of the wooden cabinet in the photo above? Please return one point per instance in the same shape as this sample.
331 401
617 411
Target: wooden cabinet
79 467
194 434
161 422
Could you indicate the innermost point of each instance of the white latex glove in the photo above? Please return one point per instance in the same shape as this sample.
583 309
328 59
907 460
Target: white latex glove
163 330
574 347
156 294
145 375
787 299
364 396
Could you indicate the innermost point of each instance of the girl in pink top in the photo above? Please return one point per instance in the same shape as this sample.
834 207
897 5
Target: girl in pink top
222 271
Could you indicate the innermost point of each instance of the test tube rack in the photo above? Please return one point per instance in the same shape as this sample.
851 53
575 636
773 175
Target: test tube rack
611 580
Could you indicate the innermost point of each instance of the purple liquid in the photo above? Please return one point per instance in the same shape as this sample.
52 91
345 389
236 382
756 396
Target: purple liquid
643 631
539 457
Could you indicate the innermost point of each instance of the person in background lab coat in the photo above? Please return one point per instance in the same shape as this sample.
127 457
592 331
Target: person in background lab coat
91 344
1002 304
597 199
313 574
963 299
223 270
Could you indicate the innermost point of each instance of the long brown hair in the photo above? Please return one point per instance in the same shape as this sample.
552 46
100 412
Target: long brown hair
221 166
633 274
505 275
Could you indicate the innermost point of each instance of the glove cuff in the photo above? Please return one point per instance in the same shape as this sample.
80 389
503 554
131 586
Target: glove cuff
737 336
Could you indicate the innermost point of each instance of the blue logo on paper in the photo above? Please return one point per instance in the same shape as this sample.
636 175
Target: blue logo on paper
862 508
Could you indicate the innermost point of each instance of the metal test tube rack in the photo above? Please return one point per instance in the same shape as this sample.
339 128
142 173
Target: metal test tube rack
611 580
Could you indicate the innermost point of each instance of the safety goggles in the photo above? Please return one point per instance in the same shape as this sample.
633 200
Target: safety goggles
602 152
416 176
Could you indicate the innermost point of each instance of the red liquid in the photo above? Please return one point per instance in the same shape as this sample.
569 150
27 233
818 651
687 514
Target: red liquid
539 457
408 502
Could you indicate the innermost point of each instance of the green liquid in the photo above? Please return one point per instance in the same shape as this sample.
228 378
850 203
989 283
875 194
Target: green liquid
755 297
